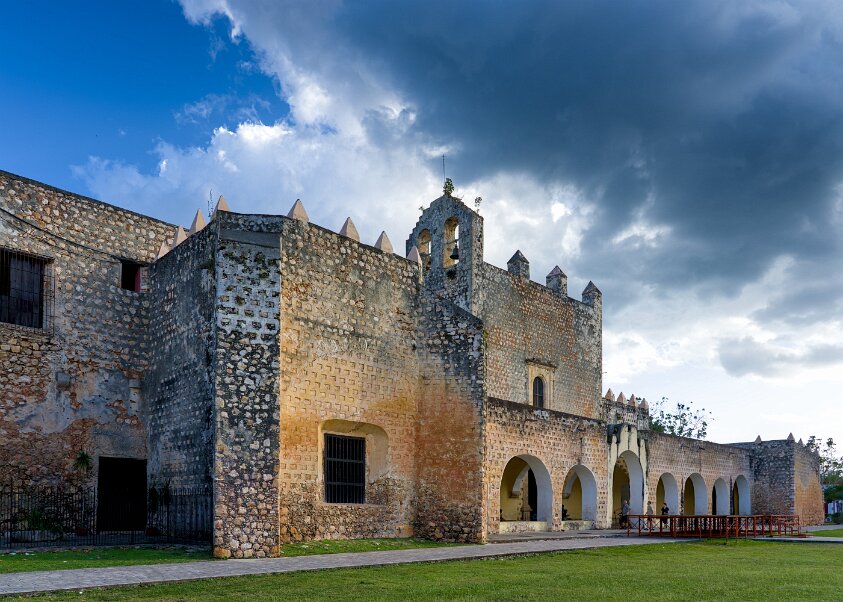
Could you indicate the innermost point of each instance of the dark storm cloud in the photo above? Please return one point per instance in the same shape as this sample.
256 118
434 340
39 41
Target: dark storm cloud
740 357
719 120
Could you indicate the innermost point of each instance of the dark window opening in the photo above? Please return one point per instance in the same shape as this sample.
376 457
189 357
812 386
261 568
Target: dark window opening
22 289
121 494
538 392
130 274
345 470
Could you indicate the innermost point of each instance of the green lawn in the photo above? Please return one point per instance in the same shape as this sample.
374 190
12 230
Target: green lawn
661 572
16 562
828 533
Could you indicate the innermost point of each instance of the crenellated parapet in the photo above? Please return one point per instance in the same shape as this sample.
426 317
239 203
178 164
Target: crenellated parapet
621 410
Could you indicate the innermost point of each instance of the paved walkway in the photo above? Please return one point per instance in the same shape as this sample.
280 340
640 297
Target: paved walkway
76 579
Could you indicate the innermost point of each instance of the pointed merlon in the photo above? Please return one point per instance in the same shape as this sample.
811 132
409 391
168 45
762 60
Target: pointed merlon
632 400
790 437
198 223
164 249
518 265
800 441
609 395
181 236
591 294
758 439
297 212
621 398
644 405
557 281
414 256
383 243
349 231
222 205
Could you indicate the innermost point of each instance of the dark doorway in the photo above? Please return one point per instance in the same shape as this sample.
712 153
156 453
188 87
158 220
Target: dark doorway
121 494
532 495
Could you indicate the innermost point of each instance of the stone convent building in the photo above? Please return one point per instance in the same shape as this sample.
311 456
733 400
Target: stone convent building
328 388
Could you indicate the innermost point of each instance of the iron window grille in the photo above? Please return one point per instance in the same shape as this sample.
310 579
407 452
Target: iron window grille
538 392
345 469
26 290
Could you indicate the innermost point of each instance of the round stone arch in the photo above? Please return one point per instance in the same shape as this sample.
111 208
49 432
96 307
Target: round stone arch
544 486
667 491
720 497
695 498
580 482
635 475
740 494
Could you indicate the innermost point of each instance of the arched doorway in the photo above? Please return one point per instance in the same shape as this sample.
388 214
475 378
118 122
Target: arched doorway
627 484
667 491
740 496
695 499
720 497
526 492
579 495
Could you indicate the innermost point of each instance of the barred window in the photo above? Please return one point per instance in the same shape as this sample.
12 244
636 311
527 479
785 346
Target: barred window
23 290
345 469
538 392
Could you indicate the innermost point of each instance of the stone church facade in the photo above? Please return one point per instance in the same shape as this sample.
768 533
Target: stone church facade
326 388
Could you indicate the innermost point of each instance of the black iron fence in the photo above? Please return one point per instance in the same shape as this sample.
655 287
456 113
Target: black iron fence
71 516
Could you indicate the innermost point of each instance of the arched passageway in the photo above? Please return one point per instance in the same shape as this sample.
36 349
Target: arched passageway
579 495
667 491
526 491
627 484
740 496
720 497
695 498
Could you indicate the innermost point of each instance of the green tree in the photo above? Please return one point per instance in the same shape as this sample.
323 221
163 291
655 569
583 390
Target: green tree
680 419
831 466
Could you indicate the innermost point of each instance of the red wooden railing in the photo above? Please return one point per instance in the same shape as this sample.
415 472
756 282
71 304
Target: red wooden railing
700 526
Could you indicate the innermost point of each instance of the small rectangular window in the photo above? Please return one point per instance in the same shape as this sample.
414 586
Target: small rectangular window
345 470
130 276
22 289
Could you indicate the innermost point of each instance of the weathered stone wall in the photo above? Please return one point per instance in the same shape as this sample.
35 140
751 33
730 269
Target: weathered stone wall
179 385
246 461
808 499
527 322
786 479
75 384
449 431
558 441
682 457
349 366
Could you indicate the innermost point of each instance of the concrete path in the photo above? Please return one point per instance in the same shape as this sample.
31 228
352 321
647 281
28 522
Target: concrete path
77 579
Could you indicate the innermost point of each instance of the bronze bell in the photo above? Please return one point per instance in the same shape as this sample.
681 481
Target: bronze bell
455 253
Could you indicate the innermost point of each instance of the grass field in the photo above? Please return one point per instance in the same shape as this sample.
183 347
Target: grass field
659 572
101 557
17 562
828 533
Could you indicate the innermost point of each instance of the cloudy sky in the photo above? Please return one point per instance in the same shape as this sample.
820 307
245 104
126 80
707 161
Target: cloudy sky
686 156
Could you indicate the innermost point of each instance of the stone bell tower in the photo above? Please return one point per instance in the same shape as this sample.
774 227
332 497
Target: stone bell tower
449 238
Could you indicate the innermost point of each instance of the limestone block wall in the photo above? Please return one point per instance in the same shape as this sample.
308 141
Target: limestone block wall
349 351
525 321
554 440
786 479
449 430
75 384
682 457
808 499
247 357
179 384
